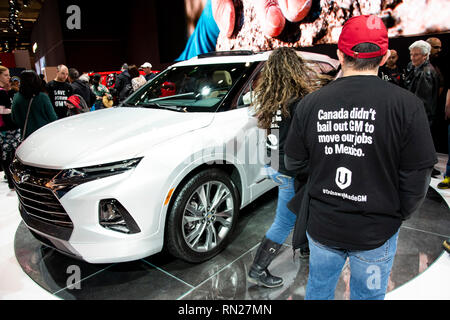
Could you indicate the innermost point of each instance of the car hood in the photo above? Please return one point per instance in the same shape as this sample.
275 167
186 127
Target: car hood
105 136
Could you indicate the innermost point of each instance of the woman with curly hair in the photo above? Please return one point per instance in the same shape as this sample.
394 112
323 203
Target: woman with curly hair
284 80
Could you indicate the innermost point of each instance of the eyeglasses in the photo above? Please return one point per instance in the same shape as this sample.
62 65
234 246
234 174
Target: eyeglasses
436 47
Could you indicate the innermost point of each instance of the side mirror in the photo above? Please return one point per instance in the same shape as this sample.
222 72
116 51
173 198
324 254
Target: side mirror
251 112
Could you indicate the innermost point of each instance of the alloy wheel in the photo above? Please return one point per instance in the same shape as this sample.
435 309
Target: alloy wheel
208 216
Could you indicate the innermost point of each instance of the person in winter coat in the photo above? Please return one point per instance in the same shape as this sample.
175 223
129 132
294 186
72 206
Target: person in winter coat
81 87
76 105
147 68
40 112
421 78
123 87
137 80
99 90
284 80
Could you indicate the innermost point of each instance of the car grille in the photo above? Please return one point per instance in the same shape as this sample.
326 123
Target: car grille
35 198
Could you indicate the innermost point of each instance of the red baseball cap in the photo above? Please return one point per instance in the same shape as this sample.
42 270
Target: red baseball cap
362 29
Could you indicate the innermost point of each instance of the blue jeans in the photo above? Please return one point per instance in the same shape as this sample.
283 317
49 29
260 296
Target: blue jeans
370 270
284 219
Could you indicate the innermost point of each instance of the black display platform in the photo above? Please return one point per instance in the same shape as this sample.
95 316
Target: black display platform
163 277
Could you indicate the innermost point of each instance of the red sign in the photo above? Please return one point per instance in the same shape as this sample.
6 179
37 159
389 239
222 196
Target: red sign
8 60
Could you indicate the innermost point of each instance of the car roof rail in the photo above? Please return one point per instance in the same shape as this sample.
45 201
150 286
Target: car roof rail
225 53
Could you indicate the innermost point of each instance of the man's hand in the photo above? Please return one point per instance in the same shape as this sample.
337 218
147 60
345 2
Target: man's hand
272 14
4 110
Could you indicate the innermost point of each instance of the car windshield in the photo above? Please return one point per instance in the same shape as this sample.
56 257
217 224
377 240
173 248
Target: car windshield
198 88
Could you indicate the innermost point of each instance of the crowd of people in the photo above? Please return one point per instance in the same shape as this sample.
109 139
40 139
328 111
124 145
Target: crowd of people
426 75
28 103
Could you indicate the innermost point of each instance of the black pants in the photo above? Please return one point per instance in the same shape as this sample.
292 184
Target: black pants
5 166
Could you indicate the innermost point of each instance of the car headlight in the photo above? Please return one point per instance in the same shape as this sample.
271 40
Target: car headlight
68 179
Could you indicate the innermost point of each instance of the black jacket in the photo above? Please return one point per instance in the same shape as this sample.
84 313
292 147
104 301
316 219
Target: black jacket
83 89
424 82
149 76
123 86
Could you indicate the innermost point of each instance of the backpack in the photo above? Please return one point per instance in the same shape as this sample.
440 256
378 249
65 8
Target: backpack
76 105
126 91
110 80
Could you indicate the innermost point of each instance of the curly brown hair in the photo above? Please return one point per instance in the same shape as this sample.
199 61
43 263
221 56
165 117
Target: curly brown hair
285 78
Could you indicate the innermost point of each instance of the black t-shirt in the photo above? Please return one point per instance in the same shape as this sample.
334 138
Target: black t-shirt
276 139
357 133
394 76
5 99
58 93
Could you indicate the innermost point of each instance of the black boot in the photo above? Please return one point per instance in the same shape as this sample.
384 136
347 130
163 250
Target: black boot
435 173
259 274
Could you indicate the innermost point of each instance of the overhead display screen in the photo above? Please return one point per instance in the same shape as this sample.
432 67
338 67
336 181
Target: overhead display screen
305 23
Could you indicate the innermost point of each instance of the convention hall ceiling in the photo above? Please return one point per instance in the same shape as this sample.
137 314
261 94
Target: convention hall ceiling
15 31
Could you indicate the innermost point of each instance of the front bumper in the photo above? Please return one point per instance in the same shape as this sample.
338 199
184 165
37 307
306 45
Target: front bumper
105 250
98 253
80 235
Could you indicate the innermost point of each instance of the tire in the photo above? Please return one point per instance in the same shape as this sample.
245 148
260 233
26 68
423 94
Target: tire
194 233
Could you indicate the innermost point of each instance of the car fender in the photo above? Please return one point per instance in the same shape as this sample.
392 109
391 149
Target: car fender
188 164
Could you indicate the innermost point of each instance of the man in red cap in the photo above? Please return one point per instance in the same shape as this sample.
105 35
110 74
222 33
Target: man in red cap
370 155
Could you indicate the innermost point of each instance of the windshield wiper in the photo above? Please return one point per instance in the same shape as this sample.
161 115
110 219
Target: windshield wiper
123 104
156 105
180 95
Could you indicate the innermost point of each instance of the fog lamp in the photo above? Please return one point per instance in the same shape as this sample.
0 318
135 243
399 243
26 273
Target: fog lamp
113 216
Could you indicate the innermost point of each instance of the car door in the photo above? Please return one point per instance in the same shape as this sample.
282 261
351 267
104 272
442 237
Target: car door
255 140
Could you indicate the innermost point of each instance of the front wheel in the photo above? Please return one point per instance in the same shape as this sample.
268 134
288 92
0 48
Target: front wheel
202 217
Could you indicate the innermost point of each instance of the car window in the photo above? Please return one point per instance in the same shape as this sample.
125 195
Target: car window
198 88
247 94
323 68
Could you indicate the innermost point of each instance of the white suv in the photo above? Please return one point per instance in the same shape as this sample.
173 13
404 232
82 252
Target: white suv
172 165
